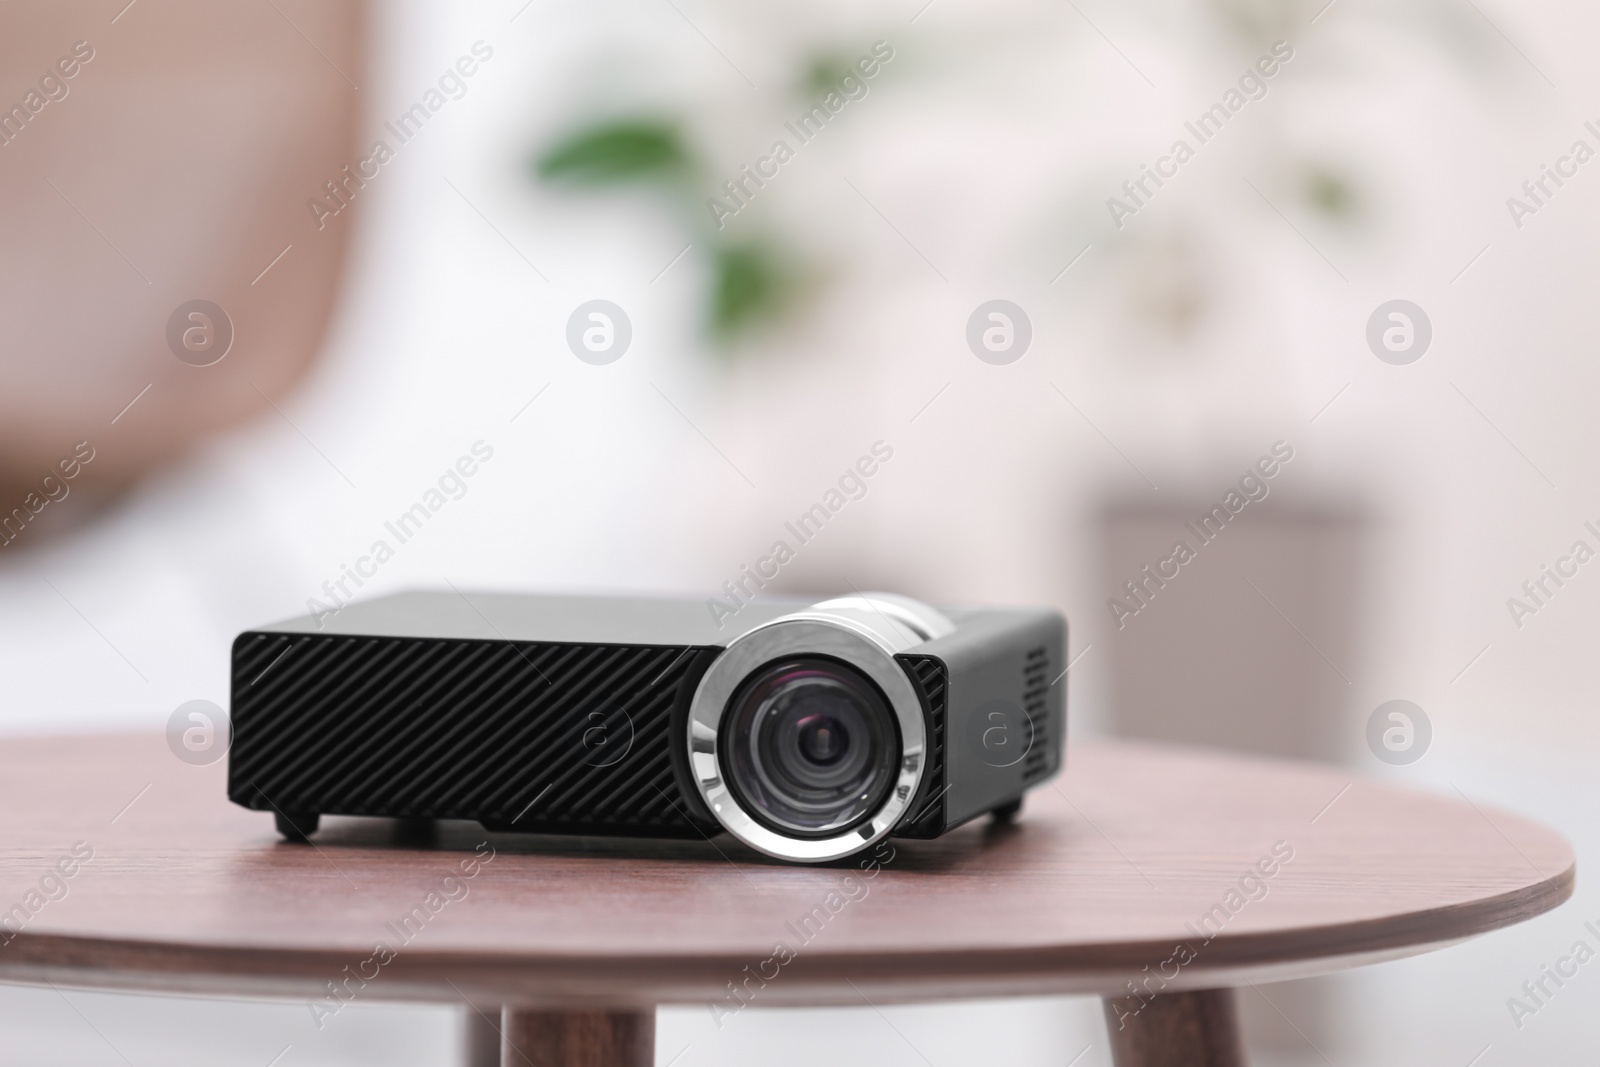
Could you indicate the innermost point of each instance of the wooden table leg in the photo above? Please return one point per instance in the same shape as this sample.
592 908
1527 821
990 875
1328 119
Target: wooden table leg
1194 1029
480 1037
577 1038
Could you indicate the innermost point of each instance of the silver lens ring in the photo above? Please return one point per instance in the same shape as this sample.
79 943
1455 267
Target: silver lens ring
849 637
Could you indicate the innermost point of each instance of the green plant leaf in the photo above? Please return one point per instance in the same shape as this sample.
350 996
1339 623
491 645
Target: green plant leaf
619 151
1331 193
823 74
749 285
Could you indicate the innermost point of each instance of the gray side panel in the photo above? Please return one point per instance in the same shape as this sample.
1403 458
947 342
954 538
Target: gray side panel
1011 657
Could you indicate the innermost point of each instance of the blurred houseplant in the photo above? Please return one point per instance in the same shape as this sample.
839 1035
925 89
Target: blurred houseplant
752 281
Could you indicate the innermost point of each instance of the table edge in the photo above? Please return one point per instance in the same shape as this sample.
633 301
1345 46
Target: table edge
643 978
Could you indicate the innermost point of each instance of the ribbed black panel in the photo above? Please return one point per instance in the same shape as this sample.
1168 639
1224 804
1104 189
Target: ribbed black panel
1035 688
521 736
927 818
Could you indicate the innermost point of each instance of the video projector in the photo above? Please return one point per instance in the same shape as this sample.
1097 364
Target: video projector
807 730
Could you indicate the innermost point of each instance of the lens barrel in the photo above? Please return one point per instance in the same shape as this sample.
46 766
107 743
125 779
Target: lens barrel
806 738
810 746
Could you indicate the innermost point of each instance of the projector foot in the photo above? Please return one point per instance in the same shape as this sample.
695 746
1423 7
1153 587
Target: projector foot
1007 812
297 826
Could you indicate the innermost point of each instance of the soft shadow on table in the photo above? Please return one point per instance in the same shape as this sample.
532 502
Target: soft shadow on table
983 841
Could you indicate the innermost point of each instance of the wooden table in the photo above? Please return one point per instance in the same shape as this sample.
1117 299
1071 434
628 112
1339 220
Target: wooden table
1156 878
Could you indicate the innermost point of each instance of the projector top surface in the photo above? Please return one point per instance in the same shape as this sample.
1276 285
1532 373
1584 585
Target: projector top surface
528 617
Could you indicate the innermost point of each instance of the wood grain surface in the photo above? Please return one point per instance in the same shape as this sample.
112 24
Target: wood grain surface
1103 885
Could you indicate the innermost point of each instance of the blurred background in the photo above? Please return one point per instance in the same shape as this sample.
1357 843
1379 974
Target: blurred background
377 313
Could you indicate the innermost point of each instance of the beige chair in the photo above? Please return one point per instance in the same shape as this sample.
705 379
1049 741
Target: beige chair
148 158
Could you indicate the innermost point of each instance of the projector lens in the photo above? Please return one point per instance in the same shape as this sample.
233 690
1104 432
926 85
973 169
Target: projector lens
810 746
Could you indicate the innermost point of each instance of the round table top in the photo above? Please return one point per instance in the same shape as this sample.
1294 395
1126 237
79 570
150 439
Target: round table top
123 866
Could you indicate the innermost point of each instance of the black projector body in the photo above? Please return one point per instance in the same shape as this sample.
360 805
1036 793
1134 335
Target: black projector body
808 730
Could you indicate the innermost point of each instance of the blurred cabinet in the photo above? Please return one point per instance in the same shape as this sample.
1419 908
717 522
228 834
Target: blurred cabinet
1250 645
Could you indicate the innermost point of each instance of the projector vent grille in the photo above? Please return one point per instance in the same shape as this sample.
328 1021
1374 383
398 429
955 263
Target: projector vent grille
1035 703
927 818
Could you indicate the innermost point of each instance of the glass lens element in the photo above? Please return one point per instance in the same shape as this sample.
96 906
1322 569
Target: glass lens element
810 746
